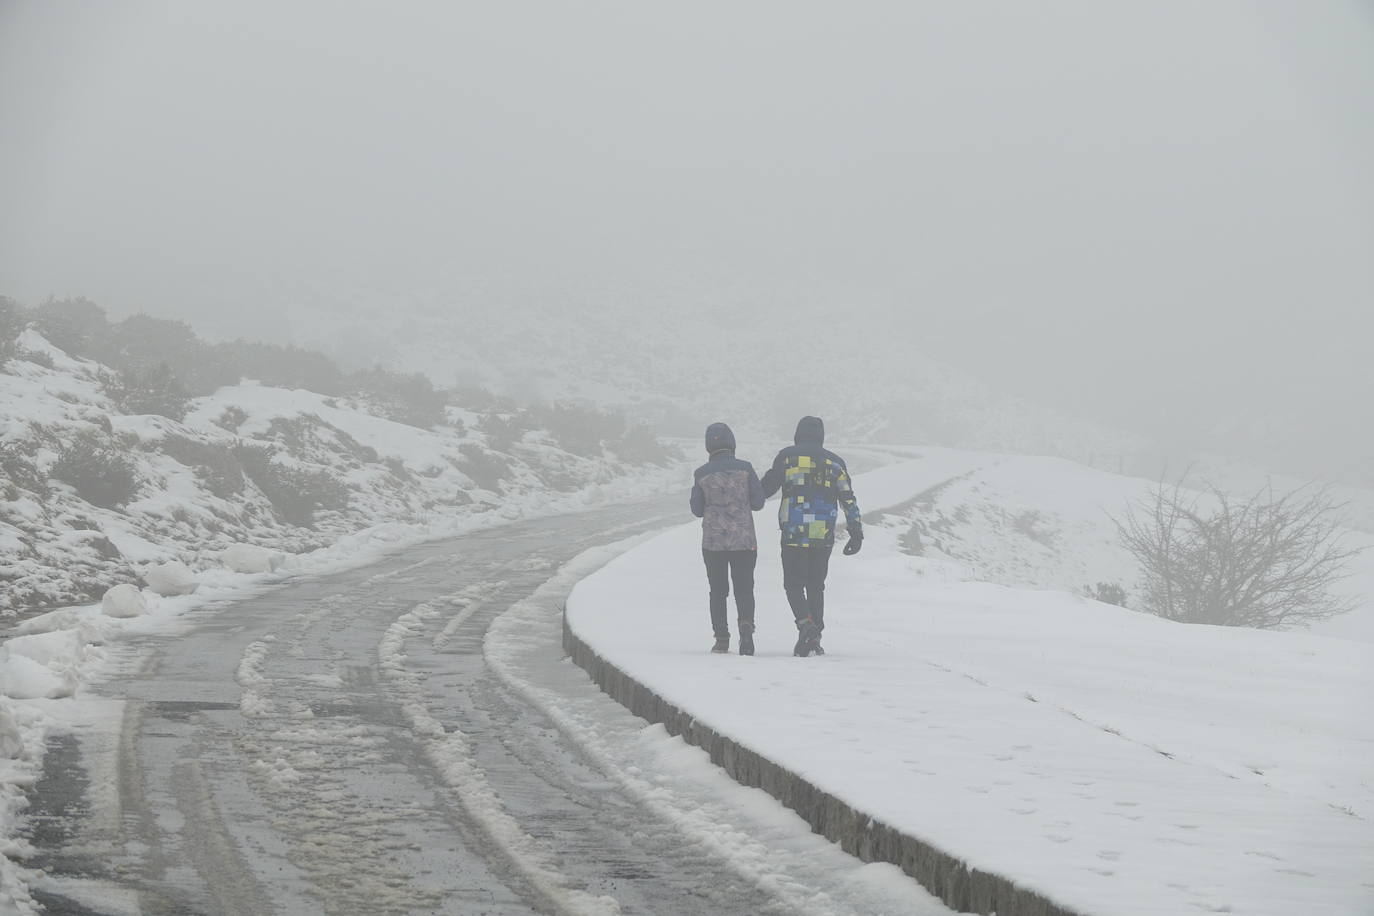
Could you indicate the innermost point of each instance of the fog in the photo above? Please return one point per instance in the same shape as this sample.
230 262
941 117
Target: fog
1158 216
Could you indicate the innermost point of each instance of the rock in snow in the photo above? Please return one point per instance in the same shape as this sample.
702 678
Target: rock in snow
124 601
245 558
174 578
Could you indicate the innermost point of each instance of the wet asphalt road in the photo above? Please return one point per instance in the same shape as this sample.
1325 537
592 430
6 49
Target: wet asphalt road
280 756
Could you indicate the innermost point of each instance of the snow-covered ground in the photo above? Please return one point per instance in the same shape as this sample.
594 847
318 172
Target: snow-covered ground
1113 761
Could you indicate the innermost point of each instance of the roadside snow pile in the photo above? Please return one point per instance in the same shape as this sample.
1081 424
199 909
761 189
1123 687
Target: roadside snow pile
91 496
1115 762
245 558
124 600
170 579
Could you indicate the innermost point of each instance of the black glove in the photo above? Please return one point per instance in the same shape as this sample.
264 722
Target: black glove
856 540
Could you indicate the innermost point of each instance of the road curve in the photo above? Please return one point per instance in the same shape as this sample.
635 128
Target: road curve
342 745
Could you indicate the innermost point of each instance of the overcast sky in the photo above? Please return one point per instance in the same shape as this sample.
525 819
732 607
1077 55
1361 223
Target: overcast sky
1160 210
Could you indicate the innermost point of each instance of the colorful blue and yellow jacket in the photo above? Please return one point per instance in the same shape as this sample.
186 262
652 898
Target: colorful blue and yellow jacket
815 484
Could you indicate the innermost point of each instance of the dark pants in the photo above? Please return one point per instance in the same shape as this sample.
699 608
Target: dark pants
803 579
721 567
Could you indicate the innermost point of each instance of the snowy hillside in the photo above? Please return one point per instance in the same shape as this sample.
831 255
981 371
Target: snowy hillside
672 366
92 496
1046 523
1109 760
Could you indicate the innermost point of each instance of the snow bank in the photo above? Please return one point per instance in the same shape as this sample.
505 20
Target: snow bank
170 579
1111 761
246 558
124 601
23 678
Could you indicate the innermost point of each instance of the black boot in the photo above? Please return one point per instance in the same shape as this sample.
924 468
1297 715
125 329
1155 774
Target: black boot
746 638
808 638
722 645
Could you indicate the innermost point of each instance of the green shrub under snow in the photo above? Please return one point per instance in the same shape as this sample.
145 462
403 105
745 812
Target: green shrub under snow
98 468
151 389
11 324
295 492
19 471
214 463
486 468
408 399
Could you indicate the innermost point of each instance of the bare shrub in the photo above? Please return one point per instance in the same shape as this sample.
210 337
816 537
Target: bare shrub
1265 561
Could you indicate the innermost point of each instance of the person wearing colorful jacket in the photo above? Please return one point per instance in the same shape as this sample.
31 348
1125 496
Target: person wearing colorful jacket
725 494
815 486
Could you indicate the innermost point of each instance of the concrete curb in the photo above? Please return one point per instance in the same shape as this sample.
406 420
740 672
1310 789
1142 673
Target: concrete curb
961 888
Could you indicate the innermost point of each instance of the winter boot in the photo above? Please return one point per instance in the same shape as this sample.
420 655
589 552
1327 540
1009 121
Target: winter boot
815 645
746 638
808 638
722 645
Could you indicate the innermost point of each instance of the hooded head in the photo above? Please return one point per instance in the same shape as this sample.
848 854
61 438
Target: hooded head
718 437
810 431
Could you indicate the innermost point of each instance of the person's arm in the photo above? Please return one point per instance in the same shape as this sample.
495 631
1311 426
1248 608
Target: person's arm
698 500
756 497
844 491
853 522
773 477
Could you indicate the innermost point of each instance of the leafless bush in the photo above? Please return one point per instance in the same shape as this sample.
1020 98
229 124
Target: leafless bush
1265 561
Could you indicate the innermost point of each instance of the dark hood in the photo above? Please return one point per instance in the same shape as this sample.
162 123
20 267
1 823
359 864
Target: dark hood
719 436
810 431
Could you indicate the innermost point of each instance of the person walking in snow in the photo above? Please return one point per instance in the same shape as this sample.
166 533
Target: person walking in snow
725 494
815 484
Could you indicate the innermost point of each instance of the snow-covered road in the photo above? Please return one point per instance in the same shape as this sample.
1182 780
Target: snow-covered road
372 742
